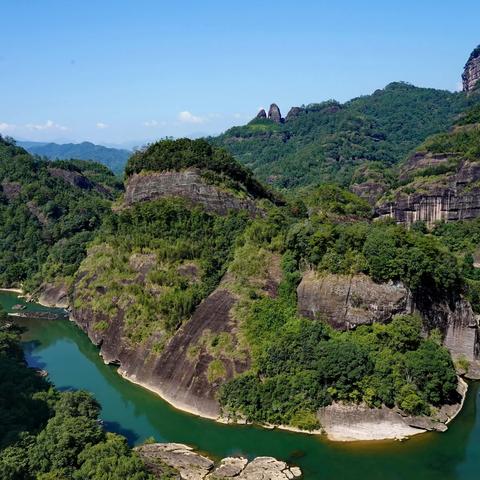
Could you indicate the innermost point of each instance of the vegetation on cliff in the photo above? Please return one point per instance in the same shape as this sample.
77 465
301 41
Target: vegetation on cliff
154 263
217 164
46 434
300 365
45 221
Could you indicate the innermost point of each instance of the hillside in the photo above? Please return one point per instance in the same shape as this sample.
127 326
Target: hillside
326 142
276 316
48 212
114 158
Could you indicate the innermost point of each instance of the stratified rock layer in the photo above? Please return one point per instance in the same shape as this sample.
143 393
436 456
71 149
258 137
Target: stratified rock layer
452 196
471 73
189 185
193 466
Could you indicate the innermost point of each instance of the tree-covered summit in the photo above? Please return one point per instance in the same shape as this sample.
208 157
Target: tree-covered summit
176 155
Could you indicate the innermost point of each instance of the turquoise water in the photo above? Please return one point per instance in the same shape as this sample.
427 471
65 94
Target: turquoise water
62 349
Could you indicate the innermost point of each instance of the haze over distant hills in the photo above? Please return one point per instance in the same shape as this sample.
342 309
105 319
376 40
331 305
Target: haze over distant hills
113 158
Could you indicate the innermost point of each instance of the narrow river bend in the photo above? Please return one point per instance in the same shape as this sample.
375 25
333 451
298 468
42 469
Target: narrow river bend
72 362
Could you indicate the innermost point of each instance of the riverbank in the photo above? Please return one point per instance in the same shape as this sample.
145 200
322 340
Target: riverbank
19 291
349 423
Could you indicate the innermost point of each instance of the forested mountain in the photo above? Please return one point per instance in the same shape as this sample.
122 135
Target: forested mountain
326 142
48 212
114 158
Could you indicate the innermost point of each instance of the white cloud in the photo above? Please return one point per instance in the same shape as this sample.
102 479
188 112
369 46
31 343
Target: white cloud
48 125
101 125
150 123
6 126
187 117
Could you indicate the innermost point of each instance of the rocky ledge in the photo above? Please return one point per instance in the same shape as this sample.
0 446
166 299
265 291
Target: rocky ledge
191 186
181 462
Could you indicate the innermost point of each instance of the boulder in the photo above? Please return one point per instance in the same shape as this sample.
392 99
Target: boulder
193 466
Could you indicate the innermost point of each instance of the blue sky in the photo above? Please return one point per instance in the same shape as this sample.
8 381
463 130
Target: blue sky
127 71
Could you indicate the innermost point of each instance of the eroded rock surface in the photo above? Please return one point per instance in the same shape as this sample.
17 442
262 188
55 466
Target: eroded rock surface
346 301
54 295
193 466
471 72
274 113
189 185
452 196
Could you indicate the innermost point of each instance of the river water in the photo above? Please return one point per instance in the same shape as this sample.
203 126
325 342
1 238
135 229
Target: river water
72 362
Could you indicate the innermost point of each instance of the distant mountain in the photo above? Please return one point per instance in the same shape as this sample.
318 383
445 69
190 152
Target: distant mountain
113 158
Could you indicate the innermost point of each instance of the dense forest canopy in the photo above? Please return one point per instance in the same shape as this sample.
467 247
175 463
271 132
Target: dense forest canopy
48 212
326 142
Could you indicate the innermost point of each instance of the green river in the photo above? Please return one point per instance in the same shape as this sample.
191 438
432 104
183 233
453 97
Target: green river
72 362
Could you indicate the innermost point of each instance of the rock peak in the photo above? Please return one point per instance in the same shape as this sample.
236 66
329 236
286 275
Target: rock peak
274 113
471 72
261 114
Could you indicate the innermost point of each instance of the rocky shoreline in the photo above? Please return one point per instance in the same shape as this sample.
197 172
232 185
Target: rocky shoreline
339 423
182 462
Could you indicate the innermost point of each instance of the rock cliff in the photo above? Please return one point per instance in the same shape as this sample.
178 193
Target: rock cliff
348 301
471 72
453 195
190 185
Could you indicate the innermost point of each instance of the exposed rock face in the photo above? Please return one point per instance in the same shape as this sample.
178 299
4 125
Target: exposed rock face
349 422
261 114
54 295
11 190
453 196
178 374
274 113
37 213
73 178
369 190
294 112
193 466
189 185
471 72
349 301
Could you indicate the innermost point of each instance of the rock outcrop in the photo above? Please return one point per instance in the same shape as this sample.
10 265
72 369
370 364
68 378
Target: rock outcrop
11 190
191 186
471 72
454 195
54 295
293 113
71 177
274 113
348 301
350 422
261 114
192 466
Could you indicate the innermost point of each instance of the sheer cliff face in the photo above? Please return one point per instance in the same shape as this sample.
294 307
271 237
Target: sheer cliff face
346 302
189 185
454 195
471 73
